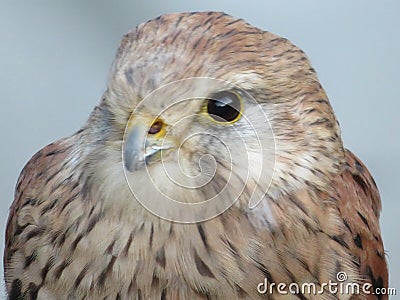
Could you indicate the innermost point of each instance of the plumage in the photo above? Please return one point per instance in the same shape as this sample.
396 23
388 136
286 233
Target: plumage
76 230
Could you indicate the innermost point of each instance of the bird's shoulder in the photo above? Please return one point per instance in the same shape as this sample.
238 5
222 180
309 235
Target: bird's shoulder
359 204
33 187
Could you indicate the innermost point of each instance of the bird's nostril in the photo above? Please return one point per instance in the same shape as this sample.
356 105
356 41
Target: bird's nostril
156 127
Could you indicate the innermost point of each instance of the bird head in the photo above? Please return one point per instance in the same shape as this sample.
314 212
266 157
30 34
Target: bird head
204 111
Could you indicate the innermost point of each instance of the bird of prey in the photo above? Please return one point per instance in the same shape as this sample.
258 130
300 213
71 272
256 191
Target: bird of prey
212 168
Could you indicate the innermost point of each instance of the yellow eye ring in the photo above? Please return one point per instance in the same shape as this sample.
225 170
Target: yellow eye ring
224 107
157 128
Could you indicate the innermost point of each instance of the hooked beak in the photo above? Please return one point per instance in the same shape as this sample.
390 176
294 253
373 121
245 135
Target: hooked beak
144 141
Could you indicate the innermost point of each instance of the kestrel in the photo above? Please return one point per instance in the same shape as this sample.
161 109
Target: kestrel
213 168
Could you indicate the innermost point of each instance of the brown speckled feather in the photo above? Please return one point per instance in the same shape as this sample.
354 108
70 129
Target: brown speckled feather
359 204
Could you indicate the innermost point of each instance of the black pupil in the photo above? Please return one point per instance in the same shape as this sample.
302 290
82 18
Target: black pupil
224 106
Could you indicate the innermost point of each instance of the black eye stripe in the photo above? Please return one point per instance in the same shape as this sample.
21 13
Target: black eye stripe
224 107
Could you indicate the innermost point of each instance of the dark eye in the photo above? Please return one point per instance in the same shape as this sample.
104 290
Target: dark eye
225 107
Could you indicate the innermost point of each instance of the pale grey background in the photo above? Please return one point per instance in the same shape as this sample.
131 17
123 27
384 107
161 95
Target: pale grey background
54 60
